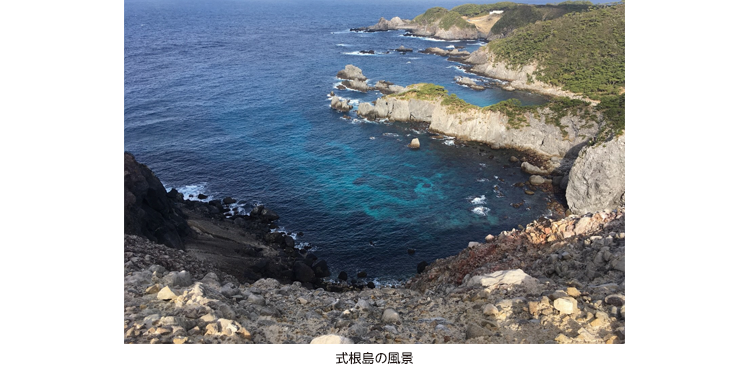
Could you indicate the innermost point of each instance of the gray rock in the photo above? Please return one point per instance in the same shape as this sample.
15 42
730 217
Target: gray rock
536 180
390 316
178 279
597 178
532 169
351 72
489 310
617 300
473 331
340 104
515 277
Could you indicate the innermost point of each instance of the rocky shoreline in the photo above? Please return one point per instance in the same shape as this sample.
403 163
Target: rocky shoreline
234 282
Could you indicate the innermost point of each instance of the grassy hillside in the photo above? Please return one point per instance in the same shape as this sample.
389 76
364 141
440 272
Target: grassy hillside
580 52
472 10
522 15
446 18
612 109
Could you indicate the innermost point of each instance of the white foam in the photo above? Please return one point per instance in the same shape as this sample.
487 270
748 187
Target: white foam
481 210
390 134
483 165
343 45
482 180
195 190
358 53
481 200
449 142
450 47
429 38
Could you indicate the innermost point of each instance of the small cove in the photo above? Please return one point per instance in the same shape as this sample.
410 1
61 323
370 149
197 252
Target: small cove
230 99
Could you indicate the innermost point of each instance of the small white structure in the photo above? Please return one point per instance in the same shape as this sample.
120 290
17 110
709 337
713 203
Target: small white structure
495 12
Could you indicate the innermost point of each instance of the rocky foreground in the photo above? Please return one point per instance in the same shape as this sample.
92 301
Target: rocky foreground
552 282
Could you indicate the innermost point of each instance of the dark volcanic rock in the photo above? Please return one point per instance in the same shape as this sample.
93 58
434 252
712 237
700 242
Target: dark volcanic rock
362 274
321 268
229 200
148 210
343 276
421 266
303 272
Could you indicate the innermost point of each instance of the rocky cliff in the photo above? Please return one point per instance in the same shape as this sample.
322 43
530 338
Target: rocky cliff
597 178
598 181
148 210
494 128
427 28
484 63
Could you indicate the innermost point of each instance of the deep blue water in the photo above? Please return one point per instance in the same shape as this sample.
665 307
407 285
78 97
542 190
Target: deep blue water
229 98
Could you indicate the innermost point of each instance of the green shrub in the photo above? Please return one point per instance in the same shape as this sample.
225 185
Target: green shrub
580 52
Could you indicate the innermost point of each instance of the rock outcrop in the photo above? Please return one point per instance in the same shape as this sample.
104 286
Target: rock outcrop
466 81
490 127
431 29
383 24
149 212
484 63
597 178
355 80
340 104
386 87
351 72
445 53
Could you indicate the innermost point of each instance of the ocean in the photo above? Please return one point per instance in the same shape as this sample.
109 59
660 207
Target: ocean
230 98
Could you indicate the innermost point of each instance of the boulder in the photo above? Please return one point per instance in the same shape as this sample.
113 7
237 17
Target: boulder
414 143
536 180
597 178
351 72
532 169
340 104
514 277
390 316
303 272
357 84
403 49
566 305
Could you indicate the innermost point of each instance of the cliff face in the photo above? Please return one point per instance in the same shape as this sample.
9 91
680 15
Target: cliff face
485 64
431 29
492 128
452 33
597 178
148 211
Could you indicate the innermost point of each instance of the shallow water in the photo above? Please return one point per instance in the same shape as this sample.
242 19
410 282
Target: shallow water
230 99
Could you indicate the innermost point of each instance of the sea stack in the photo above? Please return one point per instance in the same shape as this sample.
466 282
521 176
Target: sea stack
414 143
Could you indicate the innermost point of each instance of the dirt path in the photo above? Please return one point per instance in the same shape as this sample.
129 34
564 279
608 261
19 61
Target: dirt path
483 23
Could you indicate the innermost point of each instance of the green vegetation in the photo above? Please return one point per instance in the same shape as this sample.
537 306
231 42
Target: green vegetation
580 52
456 104
471 10
523 15
446 18
422 91
514 111
611 108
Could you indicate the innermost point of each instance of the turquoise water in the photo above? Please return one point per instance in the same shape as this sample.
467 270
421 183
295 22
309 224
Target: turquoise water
229 98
